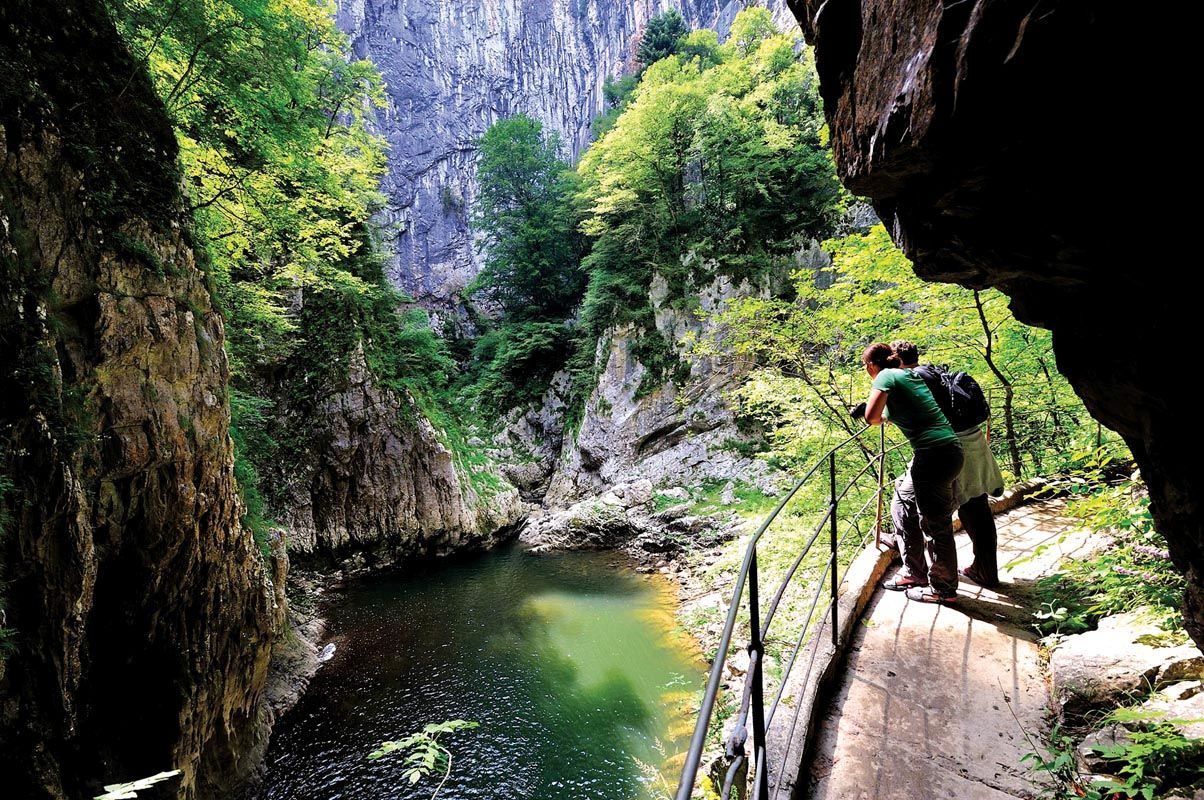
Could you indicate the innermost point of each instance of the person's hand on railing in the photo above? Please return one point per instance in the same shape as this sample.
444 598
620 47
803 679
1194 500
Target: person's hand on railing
858 411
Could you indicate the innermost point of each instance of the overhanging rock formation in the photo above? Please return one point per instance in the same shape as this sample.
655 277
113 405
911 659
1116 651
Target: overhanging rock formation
986 134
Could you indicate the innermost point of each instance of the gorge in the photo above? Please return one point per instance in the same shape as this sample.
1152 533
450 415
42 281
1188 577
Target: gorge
256 336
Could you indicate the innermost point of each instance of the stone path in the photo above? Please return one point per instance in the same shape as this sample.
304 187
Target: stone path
934 698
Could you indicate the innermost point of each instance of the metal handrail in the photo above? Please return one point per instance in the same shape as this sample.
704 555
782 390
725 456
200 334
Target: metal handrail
752 698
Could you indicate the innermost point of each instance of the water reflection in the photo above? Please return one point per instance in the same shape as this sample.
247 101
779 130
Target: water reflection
569 663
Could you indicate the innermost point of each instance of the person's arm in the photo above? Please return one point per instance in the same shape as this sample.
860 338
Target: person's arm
874 407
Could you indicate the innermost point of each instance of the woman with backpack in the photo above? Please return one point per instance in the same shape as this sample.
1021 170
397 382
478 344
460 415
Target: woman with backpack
901 396
965 406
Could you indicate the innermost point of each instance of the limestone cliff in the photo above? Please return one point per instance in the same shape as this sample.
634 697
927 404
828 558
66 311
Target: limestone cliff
681 432
976 130
378 477
453 69
140 610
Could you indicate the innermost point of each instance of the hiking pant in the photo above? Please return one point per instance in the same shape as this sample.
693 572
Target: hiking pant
922 510
979 523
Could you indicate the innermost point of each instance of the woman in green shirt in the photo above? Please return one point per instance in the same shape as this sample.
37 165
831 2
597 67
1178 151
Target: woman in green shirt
900 396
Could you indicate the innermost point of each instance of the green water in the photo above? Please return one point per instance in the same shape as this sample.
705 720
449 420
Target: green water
570 663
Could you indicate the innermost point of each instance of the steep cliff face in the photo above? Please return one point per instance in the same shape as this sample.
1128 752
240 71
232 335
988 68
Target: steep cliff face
976 130
679 433
453 69
141 611
380 479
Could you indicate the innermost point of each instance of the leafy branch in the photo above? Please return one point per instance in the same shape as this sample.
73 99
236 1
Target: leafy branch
424 755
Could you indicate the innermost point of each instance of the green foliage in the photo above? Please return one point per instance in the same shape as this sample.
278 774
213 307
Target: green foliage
532 263
1135 571
1156 755
280 167
616 93
1155 759
808 344
126 791
282 175
1054 761
661 36
249 432
423 753
700 48
716 166
524 212
519 360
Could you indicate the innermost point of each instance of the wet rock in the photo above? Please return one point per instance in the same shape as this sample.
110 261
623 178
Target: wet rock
144 610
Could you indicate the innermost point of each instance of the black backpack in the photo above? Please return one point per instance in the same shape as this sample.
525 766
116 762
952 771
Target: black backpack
958 395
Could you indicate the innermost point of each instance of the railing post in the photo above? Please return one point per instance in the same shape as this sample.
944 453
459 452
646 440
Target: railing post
756 652
881 483
832 521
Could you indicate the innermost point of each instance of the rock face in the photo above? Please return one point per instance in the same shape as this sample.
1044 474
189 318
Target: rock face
380 479
677 433
1114 664
975 129
453 69
531 440
141 612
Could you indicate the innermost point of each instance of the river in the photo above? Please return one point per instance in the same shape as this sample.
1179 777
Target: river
571 663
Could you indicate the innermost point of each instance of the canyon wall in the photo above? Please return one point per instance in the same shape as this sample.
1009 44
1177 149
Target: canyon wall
378 477
138 612
452 70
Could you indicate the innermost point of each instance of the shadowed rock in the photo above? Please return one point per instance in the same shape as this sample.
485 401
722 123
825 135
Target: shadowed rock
976 129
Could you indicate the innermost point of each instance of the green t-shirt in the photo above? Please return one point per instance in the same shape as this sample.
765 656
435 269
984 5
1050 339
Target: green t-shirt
910 405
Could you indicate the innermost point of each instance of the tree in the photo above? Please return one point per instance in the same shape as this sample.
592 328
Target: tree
808 348
717 166
528 222
282 174
660 37
525 214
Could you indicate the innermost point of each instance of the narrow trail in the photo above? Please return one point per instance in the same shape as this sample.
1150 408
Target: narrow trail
935 700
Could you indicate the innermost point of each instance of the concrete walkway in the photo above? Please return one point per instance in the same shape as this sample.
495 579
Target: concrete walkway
934 698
